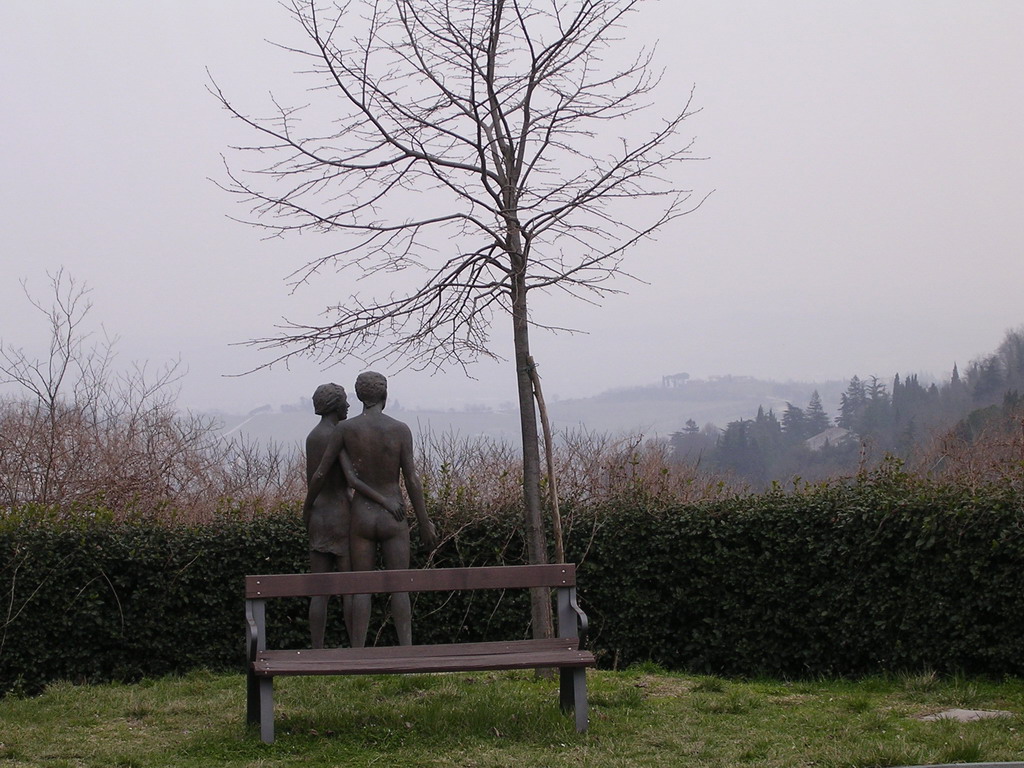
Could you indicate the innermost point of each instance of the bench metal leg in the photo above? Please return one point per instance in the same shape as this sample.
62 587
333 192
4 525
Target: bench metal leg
260 705
266 694
572 694
252 699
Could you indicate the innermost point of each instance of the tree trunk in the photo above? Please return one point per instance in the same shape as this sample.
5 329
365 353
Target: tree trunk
536 544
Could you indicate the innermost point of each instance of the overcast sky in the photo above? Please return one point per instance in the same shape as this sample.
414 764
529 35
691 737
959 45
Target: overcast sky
865 158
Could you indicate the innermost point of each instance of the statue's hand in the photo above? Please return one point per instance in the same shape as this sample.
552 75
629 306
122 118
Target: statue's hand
428 535
397 508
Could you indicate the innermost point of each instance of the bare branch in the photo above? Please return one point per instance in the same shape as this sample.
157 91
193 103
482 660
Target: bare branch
473 141
472 126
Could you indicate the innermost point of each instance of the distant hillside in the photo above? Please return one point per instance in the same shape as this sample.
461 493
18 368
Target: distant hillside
650 410
662 410
903 417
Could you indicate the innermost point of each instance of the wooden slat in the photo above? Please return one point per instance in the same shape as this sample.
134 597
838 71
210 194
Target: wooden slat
493 648
413 580
423 663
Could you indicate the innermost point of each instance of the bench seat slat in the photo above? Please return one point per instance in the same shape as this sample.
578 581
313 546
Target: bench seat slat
423 663
396 651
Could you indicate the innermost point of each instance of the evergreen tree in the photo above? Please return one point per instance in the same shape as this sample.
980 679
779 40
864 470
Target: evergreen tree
689 444
817 420
766 435
876 392
986 380
852 404
877 419
911 407
737 452
794 424
1011 357
955 399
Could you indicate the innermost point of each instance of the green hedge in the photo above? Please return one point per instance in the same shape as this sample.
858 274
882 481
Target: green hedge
883 573
98 600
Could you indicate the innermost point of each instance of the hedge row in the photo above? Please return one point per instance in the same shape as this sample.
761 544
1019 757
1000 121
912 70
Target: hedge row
881 575
884 573
98 600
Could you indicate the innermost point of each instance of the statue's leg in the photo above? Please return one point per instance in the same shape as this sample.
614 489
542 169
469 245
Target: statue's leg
343 563
364 557
395 551
319 562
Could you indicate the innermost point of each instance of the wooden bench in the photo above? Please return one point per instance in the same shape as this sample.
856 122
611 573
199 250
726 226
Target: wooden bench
564 652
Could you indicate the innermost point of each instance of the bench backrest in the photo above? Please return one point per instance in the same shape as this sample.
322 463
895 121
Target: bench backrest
413 580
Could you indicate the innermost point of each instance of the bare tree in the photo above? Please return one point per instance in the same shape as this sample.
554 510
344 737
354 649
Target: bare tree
480 144
81 432
71 369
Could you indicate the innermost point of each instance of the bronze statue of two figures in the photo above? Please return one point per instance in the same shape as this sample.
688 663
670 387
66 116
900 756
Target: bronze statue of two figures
354 504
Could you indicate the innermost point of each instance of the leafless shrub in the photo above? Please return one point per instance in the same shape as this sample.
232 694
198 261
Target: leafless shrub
467 476
466 479
595 467
994 454
155 463
262 477
80 434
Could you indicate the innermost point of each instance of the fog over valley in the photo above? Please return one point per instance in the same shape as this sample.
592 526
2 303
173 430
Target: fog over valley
859 167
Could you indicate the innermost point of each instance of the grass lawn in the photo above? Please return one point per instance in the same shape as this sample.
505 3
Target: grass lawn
641 717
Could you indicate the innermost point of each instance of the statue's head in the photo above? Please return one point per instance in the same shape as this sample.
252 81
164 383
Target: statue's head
371 388
330 398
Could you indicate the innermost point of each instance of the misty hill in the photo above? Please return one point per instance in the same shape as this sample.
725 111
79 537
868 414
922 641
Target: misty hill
662 410
925 422
657 409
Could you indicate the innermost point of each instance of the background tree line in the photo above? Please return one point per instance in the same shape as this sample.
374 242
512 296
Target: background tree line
923 423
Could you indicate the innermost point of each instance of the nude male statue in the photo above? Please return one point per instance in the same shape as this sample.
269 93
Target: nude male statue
376 453
327 515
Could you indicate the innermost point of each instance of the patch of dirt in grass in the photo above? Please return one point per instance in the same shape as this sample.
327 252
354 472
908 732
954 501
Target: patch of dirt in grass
663 687
793 699
963 715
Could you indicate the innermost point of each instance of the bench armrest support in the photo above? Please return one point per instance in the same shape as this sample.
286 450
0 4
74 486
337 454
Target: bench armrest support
256 621
572 621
